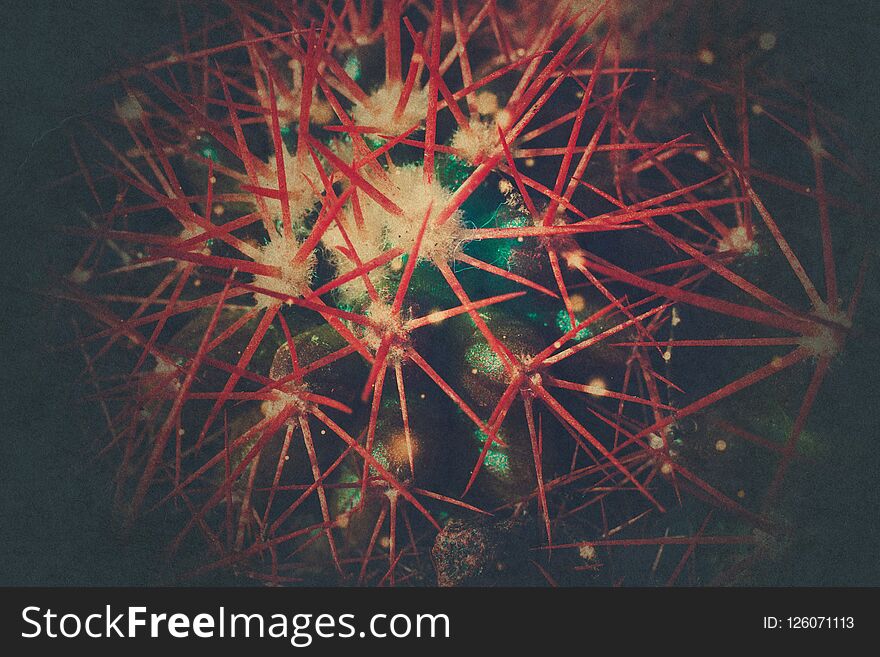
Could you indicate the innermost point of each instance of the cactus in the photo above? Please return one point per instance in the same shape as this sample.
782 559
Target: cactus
376 292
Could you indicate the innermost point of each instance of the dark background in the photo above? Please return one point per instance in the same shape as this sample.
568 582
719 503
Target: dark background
56 526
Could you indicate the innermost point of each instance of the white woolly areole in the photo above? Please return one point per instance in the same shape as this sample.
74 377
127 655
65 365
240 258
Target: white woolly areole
288 395
737 240
378 111
382 230
486 103
828 340
79 275
385 324
369 243
167 372
289 103
480 140
289 107
294 277
415 197
301 198
129 108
